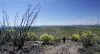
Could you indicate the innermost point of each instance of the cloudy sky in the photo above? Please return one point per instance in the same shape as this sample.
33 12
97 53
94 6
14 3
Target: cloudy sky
56 12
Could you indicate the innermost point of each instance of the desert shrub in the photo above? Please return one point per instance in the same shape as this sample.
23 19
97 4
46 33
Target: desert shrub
84 36
97 52
31 36
9 34
75 37
97 49
10 30
97 41
57 39
87 38
86 33
46 38
69 37
91 42
88 50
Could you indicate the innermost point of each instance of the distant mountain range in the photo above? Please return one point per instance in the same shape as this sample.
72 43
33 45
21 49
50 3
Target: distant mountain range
64 25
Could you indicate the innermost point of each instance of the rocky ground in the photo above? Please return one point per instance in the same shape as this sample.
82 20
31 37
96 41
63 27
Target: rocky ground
36 47
69 47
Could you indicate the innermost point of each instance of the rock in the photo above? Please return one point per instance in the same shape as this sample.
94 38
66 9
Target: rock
12 52
20 52
26 50
5 52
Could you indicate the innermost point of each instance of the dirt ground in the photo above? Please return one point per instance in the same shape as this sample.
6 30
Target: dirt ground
30 47
69 47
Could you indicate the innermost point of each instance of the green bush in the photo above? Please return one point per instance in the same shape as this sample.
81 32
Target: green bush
46 37
75 37
10 30
31 36
97 52
87 38
57 39
83 35
97 49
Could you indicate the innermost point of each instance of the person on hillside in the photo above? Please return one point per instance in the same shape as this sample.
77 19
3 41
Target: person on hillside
64 39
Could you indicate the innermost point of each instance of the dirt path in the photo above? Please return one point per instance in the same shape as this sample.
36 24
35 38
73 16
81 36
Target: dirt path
68 48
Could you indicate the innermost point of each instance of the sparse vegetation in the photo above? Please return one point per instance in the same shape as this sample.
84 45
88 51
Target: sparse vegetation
24 32
89 38
18 33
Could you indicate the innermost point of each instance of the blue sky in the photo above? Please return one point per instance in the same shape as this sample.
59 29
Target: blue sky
57 12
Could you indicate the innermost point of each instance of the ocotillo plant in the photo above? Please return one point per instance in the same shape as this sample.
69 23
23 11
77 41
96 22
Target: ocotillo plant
19 35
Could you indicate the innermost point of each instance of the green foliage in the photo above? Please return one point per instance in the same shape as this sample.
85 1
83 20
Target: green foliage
57 39
51 37
87 38
97 52
83 35
10 30
31 36
76 36
97 49
86 33
46 37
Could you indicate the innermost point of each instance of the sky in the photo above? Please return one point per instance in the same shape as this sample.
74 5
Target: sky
56 12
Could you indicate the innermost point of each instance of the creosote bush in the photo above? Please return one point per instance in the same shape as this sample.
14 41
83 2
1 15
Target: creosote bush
46 38
31 36
57 39
82 35
87 38
75 37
